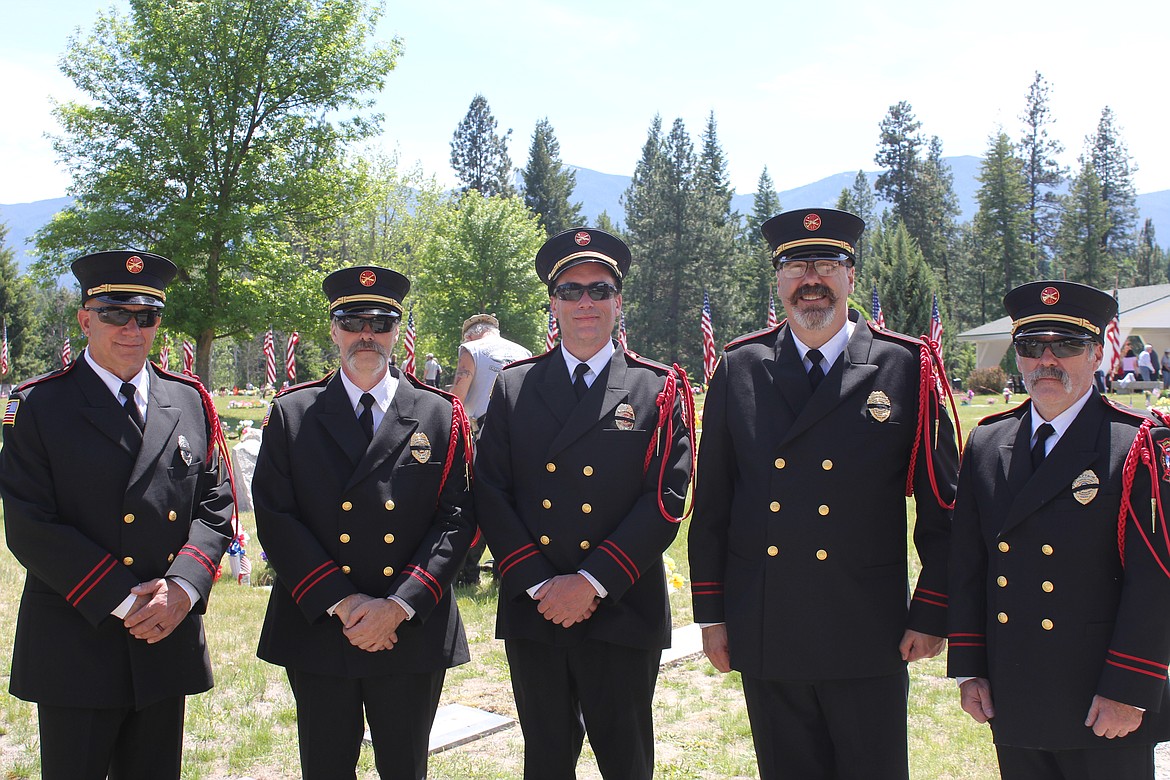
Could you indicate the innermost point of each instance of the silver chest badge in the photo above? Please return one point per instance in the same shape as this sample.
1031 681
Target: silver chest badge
420 447
624 417
185 450
878 405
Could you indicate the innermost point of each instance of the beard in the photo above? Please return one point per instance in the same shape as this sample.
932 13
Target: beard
810 318
1048 372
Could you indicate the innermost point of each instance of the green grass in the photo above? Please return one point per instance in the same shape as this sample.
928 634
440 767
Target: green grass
246 726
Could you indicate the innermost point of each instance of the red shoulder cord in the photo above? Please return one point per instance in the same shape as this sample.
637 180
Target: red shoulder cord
216 440
929 389
460 426
1143 450
665 403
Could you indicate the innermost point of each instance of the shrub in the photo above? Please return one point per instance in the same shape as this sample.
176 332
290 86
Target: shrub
987 380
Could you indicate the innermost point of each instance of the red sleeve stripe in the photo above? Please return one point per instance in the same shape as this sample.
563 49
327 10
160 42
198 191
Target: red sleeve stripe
426 579
504 569
507 559
609 543
313 573
1128 668
710 590
93 584
332 570
199 556
609 552
958 633
934 593
1160 667
83 580
968 644
932 602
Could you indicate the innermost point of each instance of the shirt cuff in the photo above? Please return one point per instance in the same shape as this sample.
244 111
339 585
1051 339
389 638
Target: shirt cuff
192 594
123 609
409 610
597 586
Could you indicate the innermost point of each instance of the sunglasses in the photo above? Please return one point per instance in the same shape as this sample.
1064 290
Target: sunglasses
1061 348
112 315
571 291
795 269
355 323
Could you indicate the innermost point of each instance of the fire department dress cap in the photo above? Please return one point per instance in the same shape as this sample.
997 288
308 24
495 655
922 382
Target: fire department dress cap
575 246
124 277
813 233
1057 308
366 289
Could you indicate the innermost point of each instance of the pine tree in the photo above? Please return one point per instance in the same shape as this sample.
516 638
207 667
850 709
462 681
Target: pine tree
905 282
548 185
859 200
1001 224
1150 260
16 313
1080 241
717 241
898 154
1043 175
1111 162
757 279
480 156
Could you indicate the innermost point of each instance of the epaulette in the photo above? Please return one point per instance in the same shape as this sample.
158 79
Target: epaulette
421 385
753 336
895 336
302 385
1127 410
995 416
634 357
36 380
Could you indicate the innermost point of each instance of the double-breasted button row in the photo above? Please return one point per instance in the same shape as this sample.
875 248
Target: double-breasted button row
552 467
129 517
773 551
388 571
1046 624
1047 549
346 506
781 463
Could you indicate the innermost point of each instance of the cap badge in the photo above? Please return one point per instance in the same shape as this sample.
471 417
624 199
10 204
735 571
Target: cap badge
368 278
624 417
878 405
420 447
134 264
1049 296
812 221
1085 487
582 238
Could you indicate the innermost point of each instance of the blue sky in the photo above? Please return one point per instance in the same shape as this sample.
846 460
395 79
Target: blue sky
799 88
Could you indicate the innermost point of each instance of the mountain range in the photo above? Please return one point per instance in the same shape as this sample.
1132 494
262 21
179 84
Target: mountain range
598 192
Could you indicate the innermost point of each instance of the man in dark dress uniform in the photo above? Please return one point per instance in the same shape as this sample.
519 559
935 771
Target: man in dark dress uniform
814 432
1060 596
115 503
363 507
582 470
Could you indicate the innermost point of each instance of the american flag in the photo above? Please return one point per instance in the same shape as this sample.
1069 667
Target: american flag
936 325
269 359
554 333
164 354
622 332
408 344
772 319
188 357
708 340
4 352
290 357
879 318
1113 341
66 353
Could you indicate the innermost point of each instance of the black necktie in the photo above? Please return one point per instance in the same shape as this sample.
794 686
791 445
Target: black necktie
1042 434
815 374
366 418
131 406
579 386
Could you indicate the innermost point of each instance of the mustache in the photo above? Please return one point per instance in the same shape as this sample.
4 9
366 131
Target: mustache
366 346
813 289
1049 372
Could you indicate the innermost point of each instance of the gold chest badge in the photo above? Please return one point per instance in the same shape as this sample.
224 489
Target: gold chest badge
878 405
1085 486
624 417
420 447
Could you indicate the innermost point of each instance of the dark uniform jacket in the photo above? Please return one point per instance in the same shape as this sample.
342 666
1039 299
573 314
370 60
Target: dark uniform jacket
90 511
1041 604
562 485
339 515
798 541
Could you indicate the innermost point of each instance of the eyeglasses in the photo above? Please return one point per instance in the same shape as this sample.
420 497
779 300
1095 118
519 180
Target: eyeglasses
355 323
1061 348
598 291
795 269
112 315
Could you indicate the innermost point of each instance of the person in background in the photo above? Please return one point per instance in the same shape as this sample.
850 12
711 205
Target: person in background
1146 363
432 370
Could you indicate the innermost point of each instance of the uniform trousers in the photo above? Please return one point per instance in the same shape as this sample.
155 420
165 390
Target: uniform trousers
79 743
853 729
1124 762
400 709
594 686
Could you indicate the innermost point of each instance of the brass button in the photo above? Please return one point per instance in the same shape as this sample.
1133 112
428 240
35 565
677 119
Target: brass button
128 561
1004 547
822 555
546 504
545 540
779 463
1001 581
1046 549
823 509
344 538
827 464
346 506
774 506
345 570
172 515
388 571
388 538
1046 624
128 519
390 505
1002 617
773 551
587 471
1047 586
550 467
584 544
586 508
171 558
